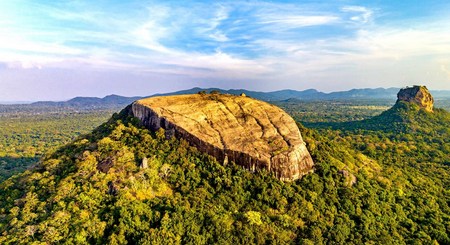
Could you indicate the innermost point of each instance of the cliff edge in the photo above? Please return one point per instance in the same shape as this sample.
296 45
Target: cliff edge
418 95
252 133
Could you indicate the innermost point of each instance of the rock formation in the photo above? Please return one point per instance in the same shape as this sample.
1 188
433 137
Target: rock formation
350 179
418 95
249 132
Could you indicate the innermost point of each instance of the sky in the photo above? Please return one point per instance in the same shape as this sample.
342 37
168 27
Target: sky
56 50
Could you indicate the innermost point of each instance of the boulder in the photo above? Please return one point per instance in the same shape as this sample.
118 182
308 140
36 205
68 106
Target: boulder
144 163
350 179
249 132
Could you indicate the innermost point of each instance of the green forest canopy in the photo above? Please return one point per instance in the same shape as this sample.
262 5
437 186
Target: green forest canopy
93 191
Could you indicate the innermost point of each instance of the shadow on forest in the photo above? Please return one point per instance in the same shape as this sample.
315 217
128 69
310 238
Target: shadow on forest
10 166
350 125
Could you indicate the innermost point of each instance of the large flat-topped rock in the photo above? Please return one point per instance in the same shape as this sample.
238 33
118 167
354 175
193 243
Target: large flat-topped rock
249 132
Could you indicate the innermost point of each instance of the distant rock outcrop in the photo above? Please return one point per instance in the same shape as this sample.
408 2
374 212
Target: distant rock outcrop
350 179
418 95
252 133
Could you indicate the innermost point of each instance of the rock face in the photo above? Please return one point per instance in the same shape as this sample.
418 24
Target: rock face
418 95
252 133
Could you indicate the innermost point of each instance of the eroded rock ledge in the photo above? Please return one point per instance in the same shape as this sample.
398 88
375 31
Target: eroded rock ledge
252 133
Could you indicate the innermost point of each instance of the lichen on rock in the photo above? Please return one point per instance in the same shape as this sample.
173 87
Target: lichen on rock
249 132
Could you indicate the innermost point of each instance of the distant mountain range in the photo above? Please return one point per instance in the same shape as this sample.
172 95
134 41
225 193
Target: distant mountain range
310 94
110 100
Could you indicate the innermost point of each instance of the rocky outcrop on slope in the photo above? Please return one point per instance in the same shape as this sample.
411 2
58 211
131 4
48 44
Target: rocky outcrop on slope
249 132
418 95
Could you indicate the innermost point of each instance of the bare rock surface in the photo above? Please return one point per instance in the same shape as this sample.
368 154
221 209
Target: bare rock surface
252 133
418 95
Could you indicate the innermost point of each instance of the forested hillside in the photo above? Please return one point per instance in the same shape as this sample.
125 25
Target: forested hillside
369 186
28 132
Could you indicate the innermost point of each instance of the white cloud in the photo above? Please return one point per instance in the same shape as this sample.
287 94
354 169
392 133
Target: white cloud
364 14
296 21
152 42
220 15
219 37
148 34
445 69
210 27
21 44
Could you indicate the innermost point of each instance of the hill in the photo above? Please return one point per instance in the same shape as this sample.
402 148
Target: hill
107 101
249 132
413 112
125 184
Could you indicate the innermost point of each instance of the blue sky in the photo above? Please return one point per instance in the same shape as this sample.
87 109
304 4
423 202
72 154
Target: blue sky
55 50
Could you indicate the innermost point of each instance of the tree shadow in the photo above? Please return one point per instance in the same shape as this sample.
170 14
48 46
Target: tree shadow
10 166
